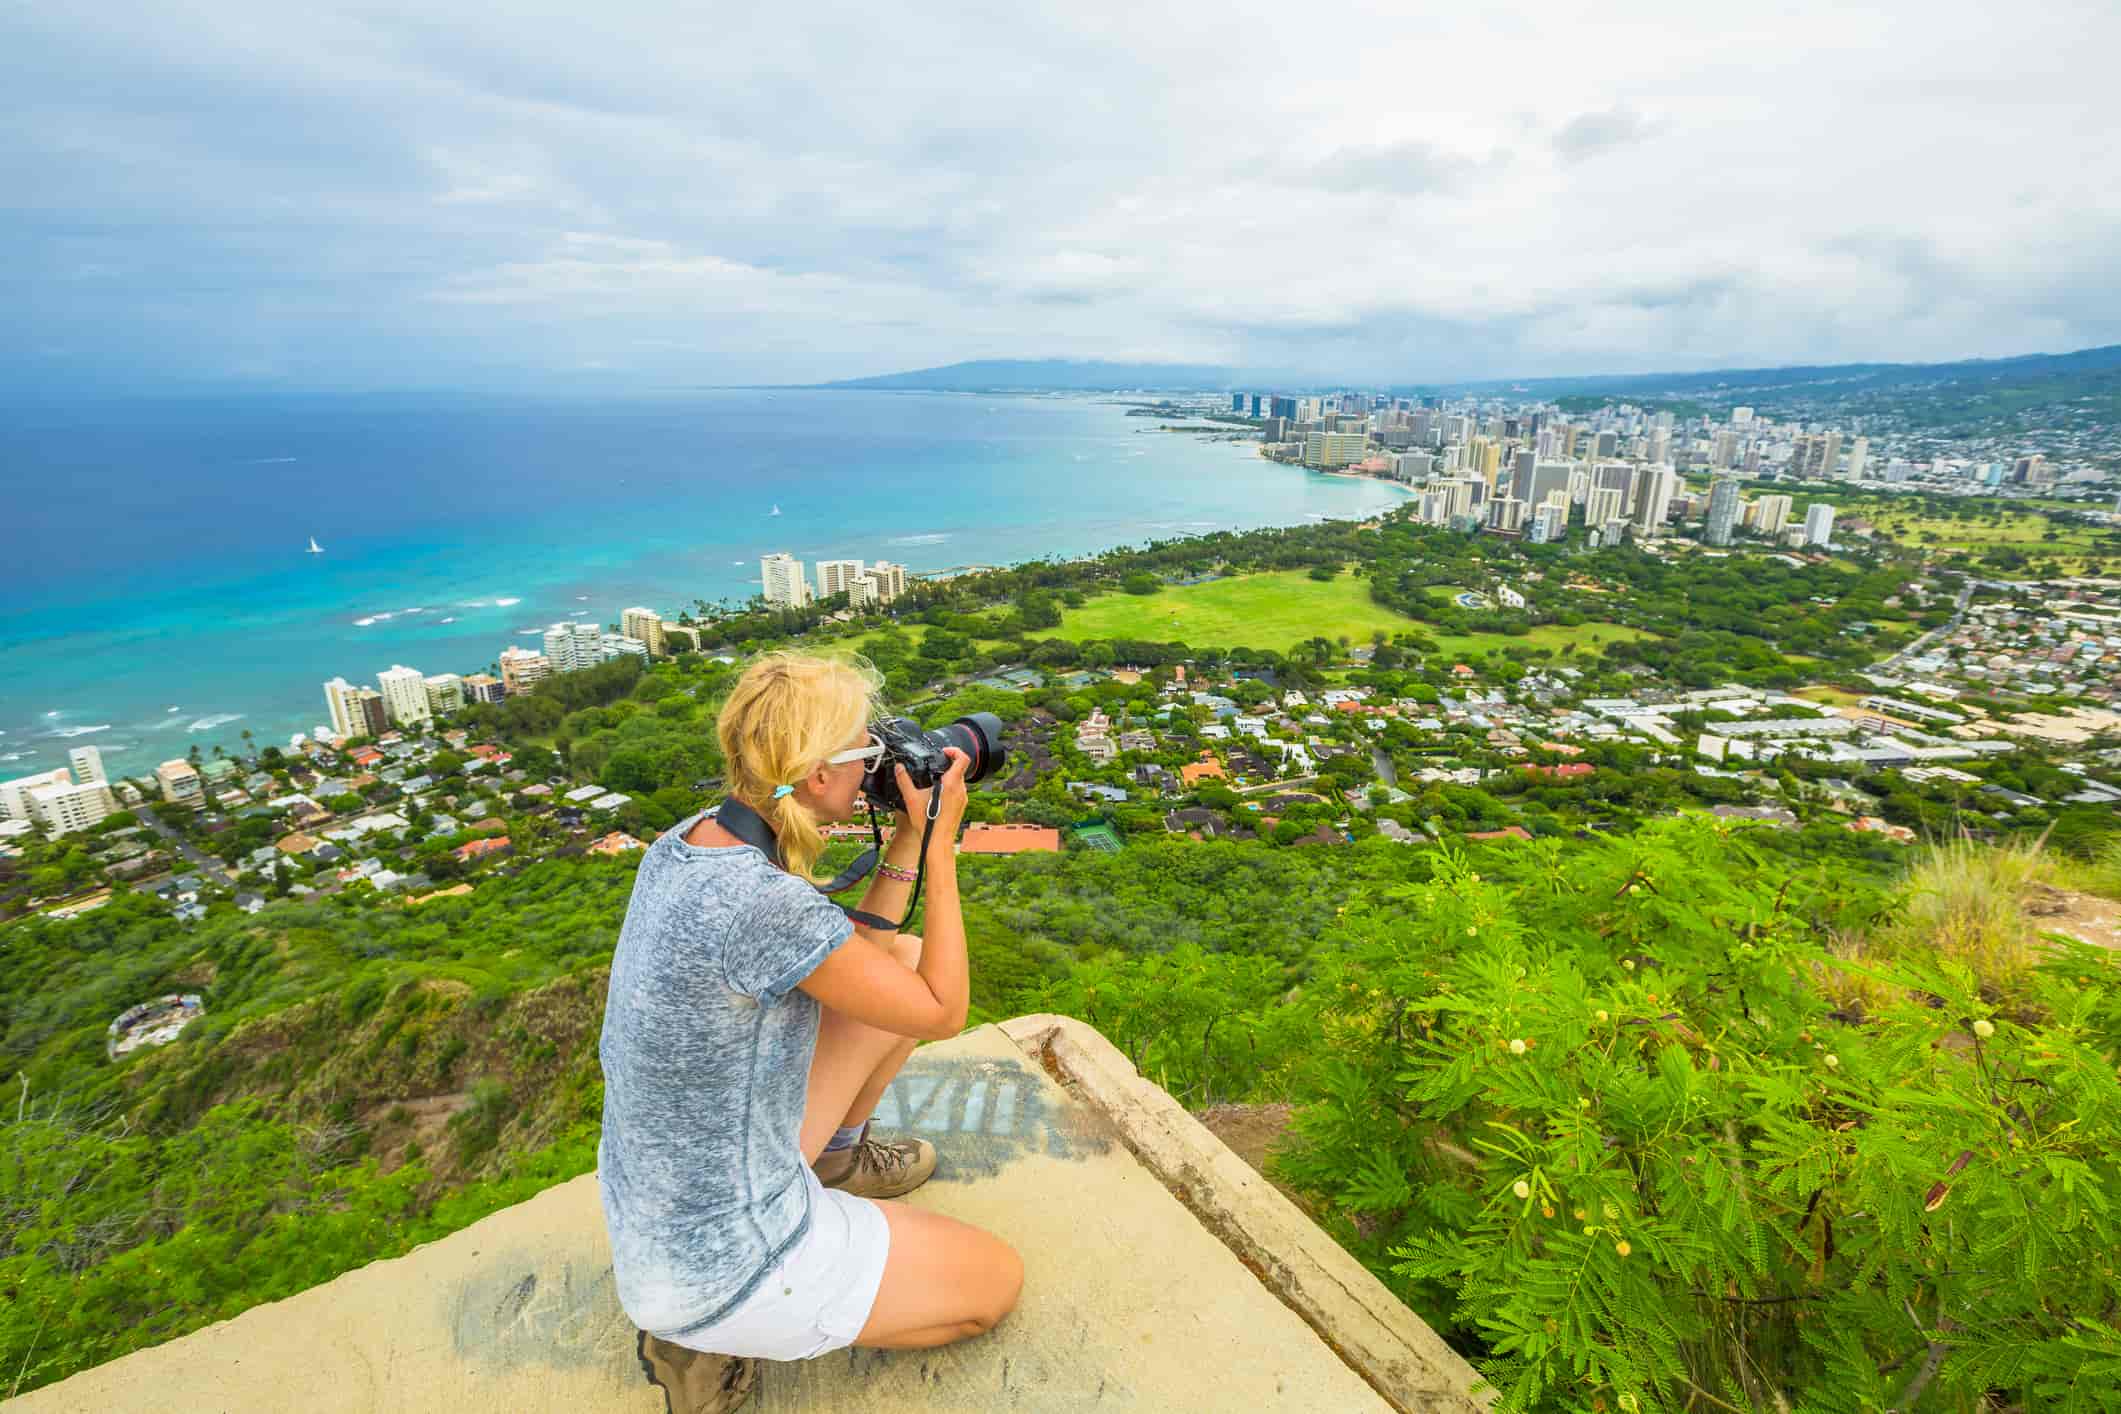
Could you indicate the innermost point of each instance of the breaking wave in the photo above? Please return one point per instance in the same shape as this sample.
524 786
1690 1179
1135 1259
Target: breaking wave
218 719
504 603
81 731
917 539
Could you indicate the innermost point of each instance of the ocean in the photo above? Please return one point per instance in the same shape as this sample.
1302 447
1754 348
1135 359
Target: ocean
160 595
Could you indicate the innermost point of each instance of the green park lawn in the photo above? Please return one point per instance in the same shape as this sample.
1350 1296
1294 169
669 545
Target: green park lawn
1281 608
1275 609
2073 545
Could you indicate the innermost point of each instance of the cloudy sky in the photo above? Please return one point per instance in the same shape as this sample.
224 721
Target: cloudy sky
573 196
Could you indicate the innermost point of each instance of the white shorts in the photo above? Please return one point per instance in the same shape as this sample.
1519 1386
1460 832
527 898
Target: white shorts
816 1298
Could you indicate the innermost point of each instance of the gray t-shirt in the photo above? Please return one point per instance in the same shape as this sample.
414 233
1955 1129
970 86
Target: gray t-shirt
706 1052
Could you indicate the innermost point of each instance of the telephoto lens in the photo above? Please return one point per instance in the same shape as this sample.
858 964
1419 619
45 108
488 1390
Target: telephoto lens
922 753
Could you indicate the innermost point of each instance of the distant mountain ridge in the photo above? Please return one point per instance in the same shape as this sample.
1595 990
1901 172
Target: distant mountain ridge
1049 374
1095 375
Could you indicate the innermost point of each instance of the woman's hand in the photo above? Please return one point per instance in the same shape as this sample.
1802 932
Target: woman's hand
949 810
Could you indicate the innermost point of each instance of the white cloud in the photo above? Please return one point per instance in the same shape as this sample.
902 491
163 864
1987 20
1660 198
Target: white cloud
393 191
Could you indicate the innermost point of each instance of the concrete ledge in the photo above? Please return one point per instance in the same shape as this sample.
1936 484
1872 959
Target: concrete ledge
1161 1274
1350 1309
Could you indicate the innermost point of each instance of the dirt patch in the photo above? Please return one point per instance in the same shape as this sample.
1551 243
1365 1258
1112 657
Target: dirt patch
2085 917
1250 1131
398 1124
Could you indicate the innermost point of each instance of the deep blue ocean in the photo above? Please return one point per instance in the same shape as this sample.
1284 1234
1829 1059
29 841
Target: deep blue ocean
158 594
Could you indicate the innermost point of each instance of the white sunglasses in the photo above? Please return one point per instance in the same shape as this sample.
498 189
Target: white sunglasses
868 755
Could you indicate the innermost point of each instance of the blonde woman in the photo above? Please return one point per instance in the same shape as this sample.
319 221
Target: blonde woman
749 1031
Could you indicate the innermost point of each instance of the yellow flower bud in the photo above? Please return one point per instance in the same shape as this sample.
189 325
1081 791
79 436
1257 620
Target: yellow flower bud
1984 1028
1521 1188
1517 1046
1622 1248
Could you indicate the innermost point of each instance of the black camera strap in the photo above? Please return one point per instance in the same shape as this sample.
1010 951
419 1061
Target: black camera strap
749 826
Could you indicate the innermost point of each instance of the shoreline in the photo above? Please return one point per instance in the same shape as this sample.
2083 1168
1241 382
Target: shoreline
134 737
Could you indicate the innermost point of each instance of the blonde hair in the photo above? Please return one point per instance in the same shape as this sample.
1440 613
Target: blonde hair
787 713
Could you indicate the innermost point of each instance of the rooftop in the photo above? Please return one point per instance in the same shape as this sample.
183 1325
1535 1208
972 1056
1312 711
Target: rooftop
1162 1274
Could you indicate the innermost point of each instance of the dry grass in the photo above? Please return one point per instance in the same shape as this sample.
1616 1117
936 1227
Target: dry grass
1960 901
1966 902
2100 875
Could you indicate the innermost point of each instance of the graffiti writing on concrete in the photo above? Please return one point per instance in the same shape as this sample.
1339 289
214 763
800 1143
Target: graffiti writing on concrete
981 1113
524 1308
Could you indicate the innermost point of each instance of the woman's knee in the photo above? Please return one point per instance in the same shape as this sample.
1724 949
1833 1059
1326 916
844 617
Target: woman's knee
1005 1286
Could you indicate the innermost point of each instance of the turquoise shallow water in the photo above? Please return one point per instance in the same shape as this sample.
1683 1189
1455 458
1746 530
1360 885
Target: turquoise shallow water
163 562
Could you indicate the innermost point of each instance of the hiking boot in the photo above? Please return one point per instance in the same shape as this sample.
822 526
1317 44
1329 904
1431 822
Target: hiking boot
872 1168
694 1382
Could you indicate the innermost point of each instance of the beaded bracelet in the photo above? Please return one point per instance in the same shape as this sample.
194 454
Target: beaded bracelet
892 871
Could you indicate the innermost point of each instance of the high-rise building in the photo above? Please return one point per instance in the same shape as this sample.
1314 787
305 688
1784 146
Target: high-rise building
14 795
1653 502
618 645
343 701
1819 524
484 687
1283 408
1741 417
571 646
1617 476
781 576
87 762
180 783
445 693
836 576
1723 510
62 809
1330 449
1657 444
1506 514
1815 456
1413 467
1547 479
404 696
1772 516
522 669
645 626
1608 444
1550 524
2029 471
890 580
863 592
1521 463
1859 453
1723 450
1601 504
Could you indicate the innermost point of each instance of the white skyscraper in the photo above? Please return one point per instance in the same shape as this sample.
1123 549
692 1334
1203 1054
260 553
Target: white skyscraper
87 762
837 577
783 581
570 647
62 809
404 695
15 794
1819 525
1859 453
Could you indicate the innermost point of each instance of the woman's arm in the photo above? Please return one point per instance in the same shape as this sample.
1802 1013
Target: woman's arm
865 982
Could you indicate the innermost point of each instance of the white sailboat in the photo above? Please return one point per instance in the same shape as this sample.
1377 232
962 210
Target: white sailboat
776 509
314 547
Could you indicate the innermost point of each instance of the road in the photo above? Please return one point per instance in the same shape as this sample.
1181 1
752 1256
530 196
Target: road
1949 626
212 867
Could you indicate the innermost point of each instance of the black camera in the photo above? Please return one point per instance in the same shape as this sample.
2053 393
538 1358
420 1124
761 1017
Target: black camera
979 736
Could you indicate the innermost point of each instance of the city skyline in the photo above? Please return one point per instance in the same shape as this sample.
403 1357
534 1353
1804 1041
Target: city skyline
353 200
